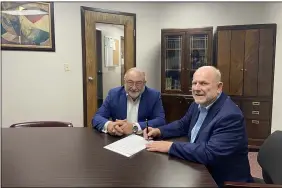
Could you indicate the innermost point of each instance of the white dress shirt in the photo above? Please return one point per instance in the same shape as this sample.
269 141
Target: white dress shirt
132 113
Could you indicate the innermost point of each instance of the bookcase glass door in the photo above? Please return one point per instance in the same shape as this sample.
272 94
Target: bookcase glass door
198 52
173 55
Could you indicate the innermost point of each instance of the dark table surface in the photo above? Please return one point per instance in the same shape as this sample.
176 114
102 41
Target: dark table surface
63 157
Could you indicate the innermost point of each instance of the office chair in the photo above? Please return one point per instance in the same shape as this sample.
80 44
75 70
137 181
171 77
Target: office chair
42 124
270 160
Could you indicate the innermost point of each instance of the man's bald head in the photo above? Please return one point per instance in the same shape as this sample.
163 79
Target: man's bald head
211 71
206 85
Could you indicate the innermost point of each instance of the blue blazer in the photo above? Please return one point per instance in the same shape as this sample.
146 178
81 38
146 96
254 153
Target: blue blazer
115 107
221 144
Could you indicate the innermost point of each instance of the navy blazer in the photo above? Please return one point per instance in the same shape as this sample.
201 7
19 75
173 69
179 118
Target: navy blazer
221 143
115 107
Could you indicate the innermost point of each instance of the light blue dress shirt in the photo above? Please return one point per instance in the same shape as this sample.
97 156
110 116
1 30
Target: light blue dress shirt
202 116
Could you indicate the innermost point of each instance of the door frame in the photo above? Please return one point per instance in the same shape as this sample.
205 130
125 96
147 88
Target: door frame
84 49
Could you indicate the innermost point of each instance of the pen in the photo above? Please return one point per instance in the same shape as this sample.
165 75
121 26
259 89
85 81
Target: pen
147 129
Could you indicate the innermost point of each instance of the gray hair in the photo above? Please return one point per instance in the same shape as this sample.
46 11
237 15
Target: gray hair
135 69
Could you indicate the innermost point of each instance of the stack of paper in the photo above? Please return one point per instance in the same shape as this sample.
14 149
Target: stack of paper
129 145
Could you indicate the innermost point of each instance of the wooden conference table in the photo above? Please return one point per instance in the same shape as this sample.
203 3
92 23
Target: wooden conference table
75 157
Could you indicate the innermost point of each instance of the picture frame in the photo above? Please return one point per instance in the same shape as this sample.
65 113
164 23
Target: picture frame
27 26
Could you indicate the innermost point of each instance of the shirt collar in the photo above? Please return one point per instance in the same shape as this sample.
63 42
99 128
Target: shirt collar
209 106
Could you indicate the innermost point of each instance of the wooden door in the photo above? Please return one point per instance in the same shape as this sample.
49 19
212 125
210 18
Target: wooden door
91 16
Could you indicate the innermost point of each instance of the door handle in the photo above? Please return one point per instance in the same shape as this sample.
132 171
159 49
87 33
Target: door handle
90 78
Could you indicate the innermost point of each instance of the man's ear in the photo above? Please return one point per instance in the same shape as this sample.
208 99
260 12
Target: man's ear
220 85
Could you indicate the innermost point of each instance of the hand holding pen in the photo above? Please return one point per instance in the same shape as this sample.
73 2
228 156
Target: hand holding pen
147 127
150 133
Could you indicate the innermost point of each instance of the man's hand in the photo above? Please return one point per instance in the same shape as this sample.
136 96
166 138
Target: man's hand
127 127
114 128
153 133
159 146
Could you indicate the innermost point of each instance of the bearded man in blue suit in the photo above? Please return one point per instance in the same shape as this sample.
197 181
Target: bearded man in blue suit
129 107
215 128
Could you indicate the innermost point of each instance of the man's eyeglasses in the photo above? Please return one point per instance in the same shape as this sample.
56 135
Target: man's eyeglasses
130 83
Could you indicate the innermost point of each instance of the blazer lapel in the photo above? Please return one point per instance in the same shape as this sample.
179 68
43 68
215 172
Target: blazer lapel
142 106
212 112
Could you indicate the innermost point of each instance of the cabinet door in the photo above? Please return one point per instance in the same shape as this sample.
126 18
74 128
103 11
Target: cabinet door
175 106
251 62
199 46
237 62
223 57
172 62
245 59
266 55
230 60
258 67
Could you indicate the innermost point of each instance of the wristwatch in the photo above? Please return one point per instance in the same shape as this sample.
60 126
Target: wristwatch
135 129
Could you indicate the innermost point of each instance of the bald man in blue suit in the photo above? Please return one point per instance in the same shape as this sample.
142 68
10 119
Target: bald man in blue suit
215 128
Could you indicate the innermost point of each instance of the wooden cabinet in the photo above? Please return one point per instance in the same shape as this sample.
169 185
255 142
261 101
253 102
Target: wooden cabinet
183 51
176 106
245 56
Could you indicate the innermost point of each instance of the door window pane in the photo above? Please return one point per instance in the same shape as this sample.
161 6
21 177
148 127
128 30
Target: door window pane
198 53
198 50
173 50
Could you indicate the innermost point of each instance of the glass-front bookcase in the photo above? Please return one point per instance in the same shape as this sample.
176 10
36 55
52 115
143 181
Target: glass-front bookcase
183 52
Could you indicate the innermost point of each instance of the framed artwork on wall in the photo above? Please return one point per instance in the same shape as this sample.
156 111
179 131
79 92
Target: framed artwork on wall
27 26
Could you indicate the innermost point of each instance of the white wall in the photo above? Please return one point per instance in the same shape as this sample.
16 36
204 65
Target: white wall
275 16
35 86
111 75
193 15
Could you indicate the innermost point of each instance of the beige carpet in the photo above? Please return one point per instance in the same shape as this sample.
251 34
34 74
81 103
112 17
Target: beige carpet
255 167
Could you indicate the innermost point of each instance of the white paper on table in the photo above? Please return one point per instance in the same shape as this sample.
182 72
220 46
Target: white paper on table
129 145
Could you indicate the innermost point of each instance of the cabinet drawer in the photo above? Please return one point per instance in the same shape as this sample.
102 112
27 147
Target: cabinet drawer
256 110
258 129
